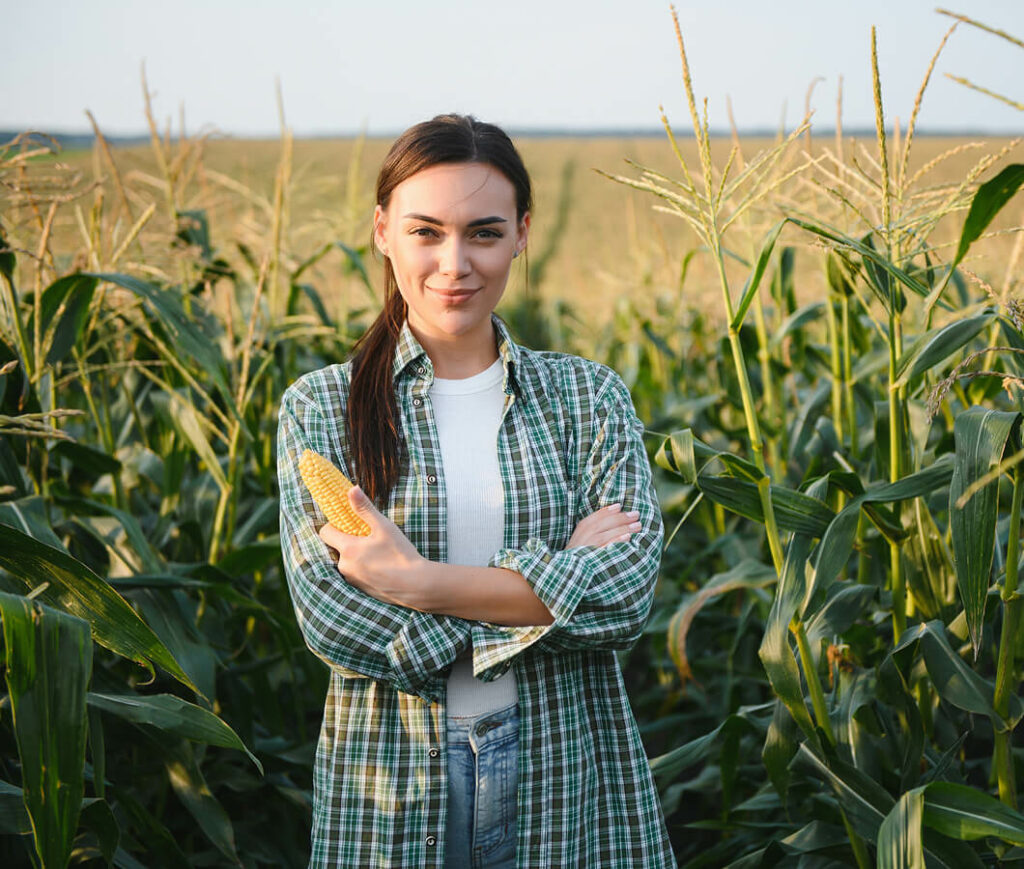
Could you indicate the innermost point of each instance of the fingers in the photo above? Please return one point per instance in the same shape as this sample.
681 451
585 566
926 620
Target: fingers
607 525
610 519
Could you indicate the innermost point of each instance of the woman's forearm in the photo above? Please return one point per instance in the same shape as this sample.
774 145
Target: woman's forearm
491 594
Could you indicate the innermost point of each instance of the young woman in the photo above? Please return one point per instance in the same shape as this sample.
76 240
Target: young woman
476 714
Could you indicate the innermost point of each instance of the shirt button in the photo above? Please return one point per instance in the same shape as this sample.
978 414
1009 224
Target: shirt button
434 752
431 479
431 841
416 402
421 370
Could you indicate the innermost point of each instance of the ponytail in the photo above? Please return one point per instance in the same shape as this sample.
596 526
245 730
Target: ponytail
371 424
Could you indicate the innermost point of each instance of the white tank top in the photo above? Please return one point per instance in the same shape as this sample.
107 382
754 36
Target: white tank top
467 413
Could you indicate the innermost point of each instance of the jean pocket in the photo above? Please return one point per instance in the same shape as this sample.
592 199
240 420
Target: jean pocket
497 797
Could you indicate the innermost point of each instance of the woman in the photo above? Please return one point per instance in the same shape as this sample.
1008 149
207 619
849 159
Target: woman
476 714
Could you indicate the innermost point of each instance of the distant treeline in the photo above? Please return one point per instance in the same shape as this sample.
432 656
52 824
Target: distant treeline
76 141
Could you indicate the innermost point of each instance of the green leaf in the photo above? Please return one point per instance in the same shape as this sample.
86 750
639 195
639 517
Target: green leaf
955 681
867 804
986 204
900 845
98 817
29 515
74 293
981 437
938 345
844 605
667 766
14 818
191 788
48 664
794 511
172 715
966 813
754 281
74 588
870 256
136 537
837 542
775 652
165 305
179 413
354 258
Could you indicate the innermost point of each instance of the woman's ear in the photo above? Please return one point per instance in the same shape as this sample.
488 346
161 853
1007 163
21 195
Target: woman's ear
522 232
378 230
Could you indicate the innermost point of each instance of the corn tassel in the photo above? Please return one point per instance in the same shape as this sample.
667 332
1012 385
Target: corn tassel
329 488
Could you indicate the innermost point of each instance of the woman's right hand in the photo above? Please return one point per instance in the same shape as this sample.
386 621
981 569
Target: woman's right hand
607 525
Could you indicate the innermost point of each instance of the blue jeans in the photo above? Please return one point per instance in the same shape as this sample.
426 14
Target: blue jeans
483 788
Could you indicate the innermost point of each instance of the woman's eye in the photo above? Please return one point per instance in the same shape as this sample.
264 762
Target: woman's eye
423 232
488 234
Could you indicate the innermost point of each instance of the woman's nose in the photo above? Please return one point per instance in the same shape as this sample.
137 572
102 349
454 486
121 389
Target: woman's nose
454 258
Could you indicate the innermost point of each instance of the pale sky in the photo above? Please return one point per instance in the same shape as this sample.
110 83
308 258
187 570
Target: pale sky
346 65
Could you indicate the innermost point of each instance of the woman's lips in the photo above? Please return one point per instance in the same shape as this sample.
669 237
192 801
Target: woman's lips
452 295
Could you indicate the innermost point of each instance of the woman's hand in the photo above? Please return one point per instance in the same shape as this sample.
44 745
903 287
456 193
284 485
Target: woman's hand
607 525
385 564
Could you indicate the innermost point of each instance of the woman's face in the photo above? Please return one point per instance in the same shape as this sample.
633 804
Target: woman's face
450 232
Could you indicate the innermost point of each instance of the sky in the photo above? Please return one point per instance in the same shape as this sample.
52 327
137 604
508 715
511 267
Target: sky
382 65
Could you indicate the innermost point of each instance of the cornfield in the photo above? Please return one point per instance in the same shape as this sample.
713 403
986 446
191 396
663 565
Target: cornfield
831 673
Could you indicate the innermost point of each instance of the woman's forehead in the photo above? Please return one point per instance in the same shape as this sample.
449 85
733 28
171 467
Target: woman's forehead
453 191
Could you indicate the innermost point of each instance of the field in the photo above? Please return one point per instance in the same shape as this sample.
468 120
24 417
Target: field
823 336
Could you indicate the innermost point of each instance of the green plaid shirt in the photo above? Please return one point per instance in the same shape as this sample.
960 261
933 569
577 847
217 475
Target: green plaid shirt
569 443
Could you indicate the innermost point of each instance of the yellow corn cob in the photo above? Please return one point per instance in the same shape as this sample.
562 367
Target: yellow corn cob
329 488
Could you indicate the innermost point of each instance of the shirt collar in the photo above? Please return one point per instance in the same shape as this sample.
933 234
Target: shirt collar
411 358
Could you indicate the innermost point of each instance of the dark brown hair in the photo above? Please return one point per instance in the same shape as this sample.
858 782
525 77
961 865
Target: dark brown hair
372 424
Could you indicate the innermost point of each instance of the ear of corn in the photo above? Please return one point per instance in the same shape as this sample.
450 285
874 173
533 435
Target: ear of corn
329 488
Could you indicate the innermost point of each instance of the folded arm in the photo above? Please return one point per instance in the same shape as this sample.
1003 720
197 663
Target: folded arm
599 597
341 624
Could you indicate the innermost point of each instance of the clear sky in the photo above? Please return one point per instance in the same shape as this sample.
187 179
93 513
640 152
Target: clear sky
385 64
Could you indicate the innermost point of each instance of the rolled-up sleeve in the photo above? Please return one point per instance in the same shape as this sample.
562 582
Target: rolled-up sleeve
350 630
600 597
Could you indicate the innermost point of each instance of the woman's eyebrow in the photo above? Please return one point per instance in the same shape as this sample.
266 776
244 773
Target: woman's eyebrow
481 221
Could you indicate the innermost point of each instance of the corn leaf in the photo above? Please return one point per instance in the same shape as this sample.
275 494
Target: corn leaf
963 812
988 201
14 818
165 305
48 663
938 345
754 281
194 793
75 589
837 542
899 838
981 435
775 652
172 715
955 681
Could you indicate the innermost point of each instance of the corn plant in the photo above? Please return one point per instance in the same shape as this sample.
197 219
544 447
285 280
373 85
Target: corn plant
870 741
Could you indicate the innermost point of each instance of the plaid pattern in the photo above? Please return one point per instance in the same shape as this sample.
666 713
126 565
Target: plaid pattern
569 443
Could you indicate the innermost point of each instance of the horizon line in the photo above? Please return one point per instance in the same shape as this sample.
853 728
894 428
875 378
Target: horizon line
83 137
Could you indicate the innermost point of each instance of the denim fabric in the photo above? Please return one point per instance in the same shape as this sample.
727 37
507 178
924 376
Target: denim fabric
483 788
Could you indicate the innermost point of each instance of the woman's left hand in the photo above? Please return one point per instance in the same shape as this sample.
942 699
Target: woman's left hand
385 564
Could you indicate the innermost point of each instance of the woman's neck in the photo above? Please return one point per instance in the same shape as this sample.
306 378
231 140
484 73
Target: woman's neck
458 357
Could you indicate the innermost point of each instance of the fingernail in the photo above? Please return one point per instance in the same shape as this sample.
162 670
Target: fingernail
633 513
635 526
615 508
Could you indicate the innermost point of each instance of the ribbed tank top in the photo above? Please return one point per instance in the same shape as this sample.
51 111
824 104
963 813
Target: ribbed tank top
467 413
